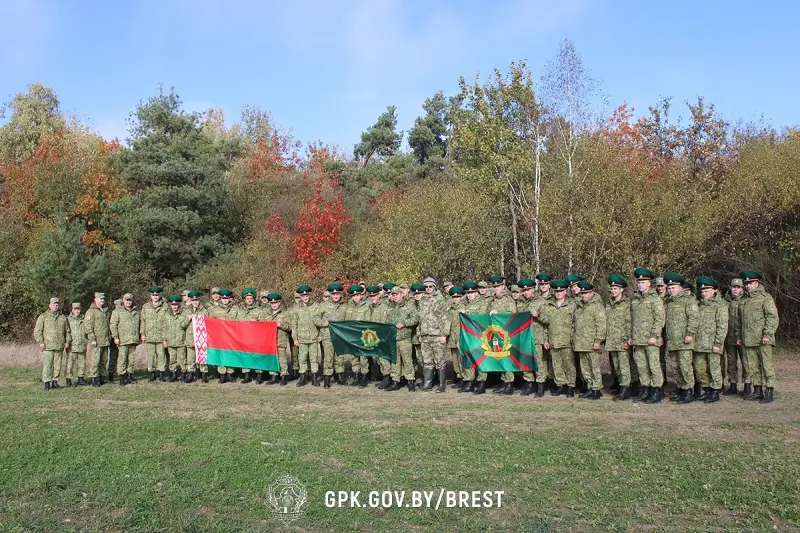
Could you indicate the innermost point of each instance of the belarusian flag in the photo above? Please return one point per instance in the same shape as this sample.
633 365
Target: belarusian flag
502 342
364 339
246 344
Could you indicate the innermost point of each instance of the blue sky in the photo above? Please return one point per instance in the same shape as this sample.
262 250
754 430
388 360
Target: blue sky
326 70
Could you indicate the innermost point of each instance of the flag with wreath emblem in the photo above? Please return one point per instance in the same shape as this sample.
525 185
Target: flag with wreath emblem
364 339
502 342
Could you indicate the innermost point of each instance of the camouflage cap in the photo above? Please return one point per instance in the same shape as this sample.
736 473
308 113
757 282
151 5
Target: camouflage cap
516 288
264 294
100 295
214 290
483 285
660 281
737 282
405 286
76 305
55 300
397 290
129 296
118 301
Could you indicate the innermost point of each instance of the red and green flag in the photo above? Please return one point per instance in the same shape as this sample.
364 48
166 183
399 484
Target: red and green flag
502 342
364 339
245 344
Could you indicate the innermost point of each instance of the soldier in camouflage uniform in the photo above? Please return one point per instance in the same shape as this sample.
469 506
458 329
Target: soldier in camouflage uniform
457 306
543 358
574 293
557 315
76 355
378 311
661 290
263 303
96 324
327 312
474 305
195 308
618 333
175 324
434 325
733 351
226 311
681 321
305 336
151 332
647 321
51 332
125 324
758 317
113 350
276 314
710 342
215 297
526 303
588 337
357 308
502 302
417 291
249 310
484 292
516 293
404 317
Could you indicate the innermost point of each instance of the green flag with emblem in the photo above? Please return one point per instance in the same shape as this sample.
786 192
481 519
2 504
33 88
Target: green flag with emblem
364 339
502 342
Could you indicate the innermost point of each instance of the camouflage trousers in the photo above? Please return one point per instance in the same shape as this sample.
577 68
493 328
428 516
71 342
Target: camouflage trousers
295 351
648 366
283 360
51 364
358 364
759 361
385 366
156 357
98 362
75 361
177 358
545 363
126 353
733 355
563 366
708 370
404 365
621 362
682 368
113 354
191 360
455 356
590 370
307 357
432 352
330 361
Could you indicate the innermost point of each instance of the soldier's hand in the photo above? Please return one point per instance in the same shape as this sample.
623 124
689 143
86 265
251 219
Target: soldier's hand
688 339
443 340
535 314
296 343
716 350
595 346
738 342
66 346
41 346
116 341
94 343
651 341
164 344
400 326
325 324
627 344
492 312
143 339
547 346
764 340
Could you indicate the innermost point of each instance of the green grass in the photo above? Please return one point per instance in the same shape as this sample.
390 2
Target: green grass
173 457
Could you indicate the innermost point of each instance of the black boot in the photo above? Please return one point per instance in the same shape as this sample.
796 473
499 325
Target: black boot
173 376
247 378
456 383
466 386
570 393
507 389
183 377
623 394
204 377
442 387
110 376
275 379
585 395
131 379
540 390
748 390
340 380
95 382
122 380
102 381
769 395
46 385
685 396
559 391
480 388
713 396
223 378
259 378
161 377
732 390
428 379
54 385
644 393
231 378
656 395
698 390
527 388
354 379
315 380
362 383
81 381
152 377
635 389
393 385
382 384
284 380
303 379
704 396
326 382
69 383
412 385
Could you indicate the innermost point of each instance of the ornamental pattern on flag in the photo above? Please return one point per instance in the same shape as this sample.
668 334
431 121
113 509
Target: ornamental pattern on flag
236 344
200 339
502 342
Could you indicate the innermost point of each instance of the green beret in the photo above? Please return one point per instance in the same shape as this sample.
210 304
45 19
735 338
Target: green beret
559 284
543 277
417 287
303 289
750 275
737 282
643 273
355 289
673 278
195 294
615 280
455 291
706 282
155 289
526 283
585 286
373 289
496 280
470 286
572 279
273 297
252 292
335 287
389 286
174 298
225 292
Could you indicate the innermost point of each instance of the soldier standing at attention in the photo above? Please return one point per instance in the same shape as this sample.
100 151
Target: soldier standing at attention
417 291
484 292
175 324
457 306
502 302
526 303
51 332
215 297
557 315
327 312
249 310
647 321
711 330
113 350
434 325
195 308
357 309
152 332
473 306
681 319
404 317
125 325
377 313
98 333
545 362
76 355
305 336
733 352
226 311
759 322
588 337
661 290
618 333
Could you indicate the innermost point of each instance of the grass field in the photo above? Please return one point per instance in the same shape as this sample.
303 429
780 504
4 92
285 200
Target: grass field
175 457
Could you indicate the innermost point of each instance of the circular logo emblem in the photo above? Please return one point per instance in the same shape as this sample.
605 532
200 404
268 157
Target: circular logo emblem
495 342
370 339
288 498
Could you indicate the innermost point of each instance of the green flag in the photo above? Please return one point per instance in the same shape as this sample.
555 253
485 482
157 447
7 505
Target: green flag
365 339
502 342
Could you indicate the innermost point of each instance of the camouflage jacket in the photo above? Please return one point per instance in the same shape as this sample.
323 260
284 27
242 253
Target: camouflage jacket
77 332
478 306
455 323
734 325
225 313
52 330
125 325
400 313
251 313
758 317
96 323
682 315
190 313
618 324
378 312
151 320
588 325
502 303
356 311
647 318
175 325
329 311
558 320
434 318
302 323
712 324
535 306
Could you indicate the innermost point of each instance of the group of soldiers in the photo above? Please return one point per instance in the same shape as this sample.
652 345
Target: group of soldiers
706 336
